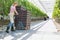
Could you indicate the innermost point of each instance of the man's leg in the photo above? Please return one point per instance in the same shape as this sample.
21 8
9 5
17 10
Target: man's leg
13 28
8 27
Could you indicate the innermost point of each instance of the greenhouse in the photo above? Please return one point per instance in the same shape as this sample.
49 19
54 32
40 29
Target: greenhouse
29 19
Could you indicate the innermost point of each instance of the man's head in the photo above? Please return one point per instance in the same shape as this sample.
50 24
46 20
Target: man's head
15 4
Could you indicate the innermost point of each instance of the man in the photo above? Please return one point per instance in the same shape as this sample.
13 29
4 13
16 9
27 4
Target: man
11 15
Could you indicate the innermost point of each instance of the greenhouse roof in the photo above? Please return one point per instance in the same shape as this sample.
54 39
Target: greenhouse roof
45 5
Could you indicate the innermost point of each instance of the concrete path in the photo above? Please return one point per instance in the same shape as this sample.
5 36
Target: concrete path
49 27
45 30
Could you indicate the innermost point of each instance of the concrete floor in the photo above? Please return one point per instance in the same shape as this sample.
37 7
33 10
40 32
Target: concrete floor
45 30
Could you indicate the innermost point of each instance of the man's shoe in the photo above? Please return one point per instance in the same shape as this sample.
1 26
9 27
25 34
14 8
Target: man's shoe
7 31
12 30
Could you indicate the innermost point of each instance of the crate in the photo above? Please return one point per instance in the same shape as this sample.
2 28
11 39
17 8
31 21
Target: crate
22 21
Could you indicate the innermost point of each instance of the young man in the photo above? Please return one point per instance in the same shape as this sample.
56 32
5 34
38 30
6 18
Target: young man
11 15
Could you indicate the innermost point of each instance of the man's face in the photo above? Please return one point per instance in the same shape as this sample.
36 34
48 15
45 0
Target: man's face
16 4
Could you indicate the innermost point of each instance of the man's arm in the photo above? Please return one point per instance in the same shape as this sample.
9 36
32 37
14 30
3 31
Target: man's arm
16 12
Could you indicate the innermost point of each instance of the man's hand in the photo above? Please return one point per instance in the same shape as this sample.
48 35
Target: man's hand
16 13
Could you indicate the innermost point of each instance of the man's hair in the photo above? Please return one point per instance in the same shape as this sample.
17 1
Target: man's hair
14 3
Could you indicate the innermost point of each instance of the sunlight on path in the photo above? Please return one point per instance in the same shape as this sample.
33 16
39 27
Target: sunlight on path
46 32
49 27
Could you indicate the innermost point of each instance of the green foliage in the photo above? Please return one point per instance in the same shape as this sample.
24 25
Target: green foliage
5 5
32 8
56 12
35 11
